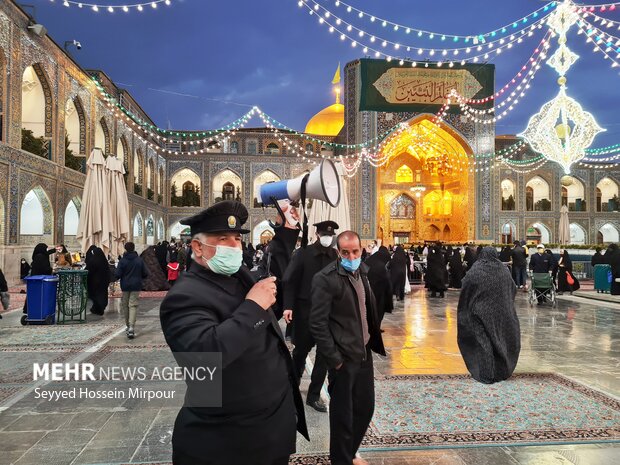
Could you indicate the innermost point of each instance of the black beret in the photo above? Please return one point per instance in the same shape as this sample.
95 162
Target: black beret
225 216
328 227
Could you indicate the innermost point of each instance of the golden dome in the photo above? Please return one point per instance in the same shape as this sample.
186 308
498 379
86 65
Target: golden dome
327 122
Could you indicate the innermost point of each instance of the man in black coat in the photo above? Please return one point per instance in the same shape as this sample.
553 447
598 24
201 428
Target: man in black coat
541 262
218 307
297 304
345 325
519 263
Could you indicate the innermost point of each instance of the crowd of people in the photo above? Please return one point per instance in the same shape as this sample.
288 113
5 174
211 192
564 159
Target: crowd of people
227 296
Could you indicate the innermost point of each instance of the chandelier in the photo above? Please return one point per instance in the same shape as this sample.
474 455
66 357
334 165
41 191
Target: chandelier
418 189
562 131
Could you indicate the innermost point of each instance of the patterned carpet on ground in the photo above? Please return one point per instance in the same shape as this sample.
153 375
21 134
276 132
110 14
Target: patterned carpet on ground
53 336
429 411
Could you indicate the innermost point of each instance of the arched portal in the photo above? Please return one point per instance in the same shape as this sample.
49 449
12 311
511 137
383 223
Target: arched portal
577 234
262 233
538 233
185 188
150 230
608 234
138 229
72 217
180 231
227 185
430 162
36 217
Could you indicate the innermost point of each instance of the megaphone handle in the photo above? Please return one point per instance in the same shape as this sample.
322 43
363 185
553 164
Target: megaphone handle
280 212
304 236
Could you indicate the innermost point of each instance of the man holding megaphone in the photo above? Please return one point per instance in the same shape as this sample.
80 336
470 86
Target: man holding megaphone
219 306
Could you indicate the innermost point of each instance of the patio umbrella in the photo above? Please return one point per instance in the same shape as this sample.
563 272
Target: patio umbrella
95 223
564 229
119 205
322 211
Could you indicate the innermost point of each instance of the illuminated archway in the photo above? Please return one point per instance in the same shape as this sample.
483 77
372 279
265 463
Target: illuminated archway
262 233
227 185
429 162
263 178
608 234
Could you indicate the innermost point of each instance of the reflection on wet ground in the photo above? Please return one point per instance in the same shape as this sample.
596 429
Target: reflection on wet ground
577 340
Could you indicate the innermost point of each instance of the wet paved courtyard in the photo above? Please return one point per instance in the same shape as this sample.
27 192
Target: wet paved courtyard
577 340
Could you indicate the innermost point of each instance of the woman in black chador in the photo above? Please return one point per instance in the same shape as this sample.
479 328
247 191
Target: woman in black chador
468 259
565 269
398 266
436 271
612 258
98 279
379 280
156 280
456 269
489 335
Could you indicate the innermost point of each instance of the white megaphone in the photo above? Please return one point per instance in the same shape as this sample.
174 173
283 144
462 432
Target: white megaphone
322 183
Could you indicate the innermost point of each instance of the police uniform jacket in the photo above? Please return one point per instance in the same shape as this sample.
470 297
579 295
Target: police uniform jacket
335 318
208 312
298 277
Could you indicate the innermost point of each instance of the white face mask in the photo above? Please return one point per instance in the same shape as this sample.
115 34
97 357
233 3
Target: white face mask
326 241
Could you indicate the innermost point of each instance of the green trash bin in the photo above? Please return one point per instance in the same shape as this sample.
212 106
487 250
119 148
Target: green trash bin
72 296
602 278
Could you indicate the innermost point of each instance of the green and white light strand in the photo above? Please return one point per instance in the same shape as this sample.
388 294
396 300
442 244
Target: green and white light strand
391 50
425 34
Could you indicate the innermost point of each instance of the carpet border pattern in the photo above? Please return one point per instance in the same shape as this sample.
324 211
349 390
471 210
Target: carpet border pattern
374 440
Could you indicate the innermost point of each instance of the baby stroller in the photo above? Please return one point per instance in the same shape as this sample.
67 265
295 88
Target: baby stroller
542 289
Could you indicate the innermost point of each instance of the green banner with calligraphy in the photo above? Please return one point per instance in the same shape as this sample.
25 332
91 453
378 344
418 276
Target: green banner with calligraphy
390 87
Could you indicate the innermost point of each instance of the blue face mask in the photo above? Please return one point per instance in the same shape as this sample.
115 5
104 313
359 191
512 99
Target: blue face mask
226 261
351 265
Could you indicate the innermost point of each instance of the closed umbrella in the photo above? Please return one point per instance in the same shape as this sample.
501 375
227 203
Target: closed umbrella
119 205
564 228
322 211
95 223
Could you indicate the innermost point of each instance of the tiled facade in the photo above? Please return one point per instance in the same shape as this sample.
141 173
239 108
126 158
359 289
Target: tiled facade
56 185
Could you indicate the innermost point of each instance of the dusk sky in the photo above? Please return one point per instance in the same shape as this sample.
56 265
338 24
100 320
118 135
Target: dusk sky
230 55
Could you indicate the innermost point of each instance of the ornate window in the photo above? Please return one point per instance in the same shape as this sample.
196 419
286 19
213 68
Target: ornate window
404 174
402 206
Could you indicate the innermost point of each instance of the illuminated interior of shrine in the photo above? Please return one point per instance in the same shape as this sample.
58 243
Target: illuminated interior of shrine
423 185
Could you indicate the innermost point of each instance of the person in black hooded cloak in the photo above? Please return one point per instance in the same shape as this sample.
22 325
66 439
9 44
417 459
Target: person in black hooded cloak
398 272
489 335
379 280
156 280
456 269
436 271
98 279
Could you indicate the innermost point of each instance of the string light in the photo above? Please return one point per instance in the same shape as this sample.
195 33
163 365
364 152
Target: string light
512 100
604 150
609 45
391 50
409 30
562 143
112 8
